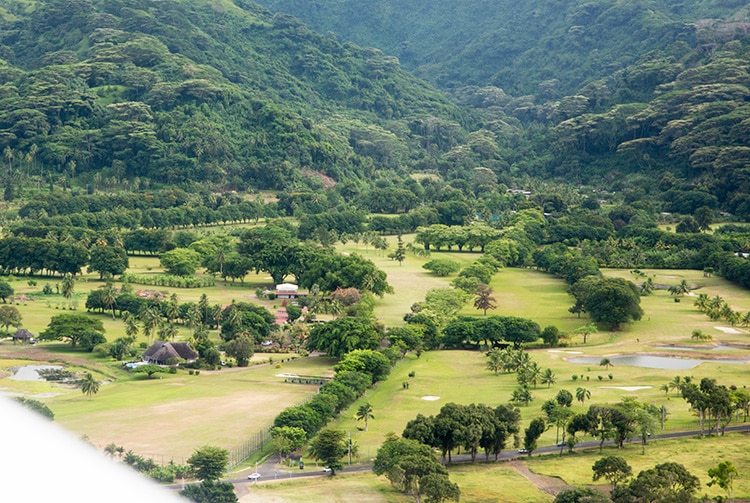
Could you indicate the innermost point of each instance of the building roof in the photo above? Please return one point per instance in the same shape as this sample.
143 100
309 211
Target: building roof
286 287
161 351
23 334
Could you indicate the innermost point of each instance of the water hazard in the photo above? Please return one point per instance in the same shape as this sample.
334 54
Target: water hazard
652 361
31 372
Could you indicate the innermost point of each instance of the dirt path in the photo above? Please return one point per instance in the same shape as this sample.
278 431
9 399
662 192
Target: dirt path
549 485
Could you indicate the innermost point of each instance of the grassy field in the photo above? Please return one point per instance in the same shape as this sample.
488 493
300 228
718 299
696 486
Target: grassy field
697 454
168 418
492 483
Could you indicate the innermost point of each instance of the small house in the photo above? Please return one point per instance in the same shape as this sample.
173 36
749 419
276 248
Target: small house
160 352
288 291
24 336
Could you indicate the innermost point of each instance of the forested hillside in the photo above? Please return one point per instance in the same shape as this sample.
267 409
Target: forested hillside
230 96
200 91
517 46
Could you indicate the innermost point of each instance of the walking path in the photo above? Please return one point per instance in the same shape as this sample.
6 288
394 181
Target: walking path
550 485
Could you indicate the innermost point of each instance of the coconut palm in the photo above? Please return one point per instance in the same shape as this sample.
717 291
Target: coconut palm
582 394
89 385
131 324
150 318
495 360
68 286
548 377
606 363
530 373
665 389
109 297
364 412
675 383
701 302
521 395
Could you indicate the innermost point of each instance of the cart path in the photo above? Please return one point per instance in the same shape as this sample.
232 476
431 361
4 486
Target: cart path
550 485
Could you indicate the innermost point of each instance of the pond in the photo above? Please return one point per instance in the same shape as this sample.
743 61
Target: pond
31 372
651 361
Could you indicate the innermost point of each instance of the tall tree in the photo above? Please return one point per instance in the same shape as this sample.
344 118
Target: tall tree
68 286
582 394
723 475
89 385
73 328
613 468
329 446
209 462
483 298
10 316
364 413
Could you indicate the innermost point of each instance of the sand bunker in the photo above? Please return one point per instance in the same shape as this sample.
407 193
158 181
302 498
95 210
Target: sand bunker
728 330
430 398
627 388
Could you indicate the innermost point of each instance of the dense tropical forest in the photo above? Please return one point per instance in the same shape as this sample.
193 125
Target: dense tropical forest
234 97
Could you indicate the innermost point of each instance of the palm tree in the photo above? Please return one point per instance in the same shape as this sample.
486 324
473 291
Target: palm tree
68 285
701 302
131 324
548 377
606 363
665 389
150 318
678 290
89 385
172 309
675 383
365 412
111 449
483 298
530 373
521 395
110 297
582 394
495 360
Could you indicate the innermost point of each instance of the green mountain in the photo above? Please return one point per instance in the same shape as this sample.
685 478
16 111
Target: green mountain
517 46
201 91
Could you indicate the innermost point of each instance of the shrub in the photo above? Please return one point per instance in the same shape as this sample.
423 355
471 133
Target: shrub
610 376
575 377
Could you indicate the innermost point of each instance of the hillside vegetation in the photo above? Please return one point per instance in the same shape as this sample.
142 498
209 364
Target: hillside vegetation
181 92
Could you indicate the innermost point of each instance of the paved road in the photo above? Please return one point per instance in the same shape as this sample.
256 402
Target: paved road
269 472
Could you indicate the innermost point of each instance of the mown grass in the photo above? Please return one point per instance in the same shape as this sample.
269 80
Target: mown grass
697 454
491 483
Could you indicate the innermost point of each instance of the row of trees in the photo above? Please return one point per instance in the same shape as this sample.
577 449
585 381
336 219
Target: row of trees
489 331
355 373
471 427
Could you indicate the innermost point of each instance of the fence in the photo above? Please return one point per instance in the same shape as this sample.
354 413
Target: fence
240 453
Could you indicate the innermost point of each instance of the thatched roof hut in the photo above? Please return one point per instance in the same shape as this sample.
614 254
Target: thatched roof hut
23 335
161 351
